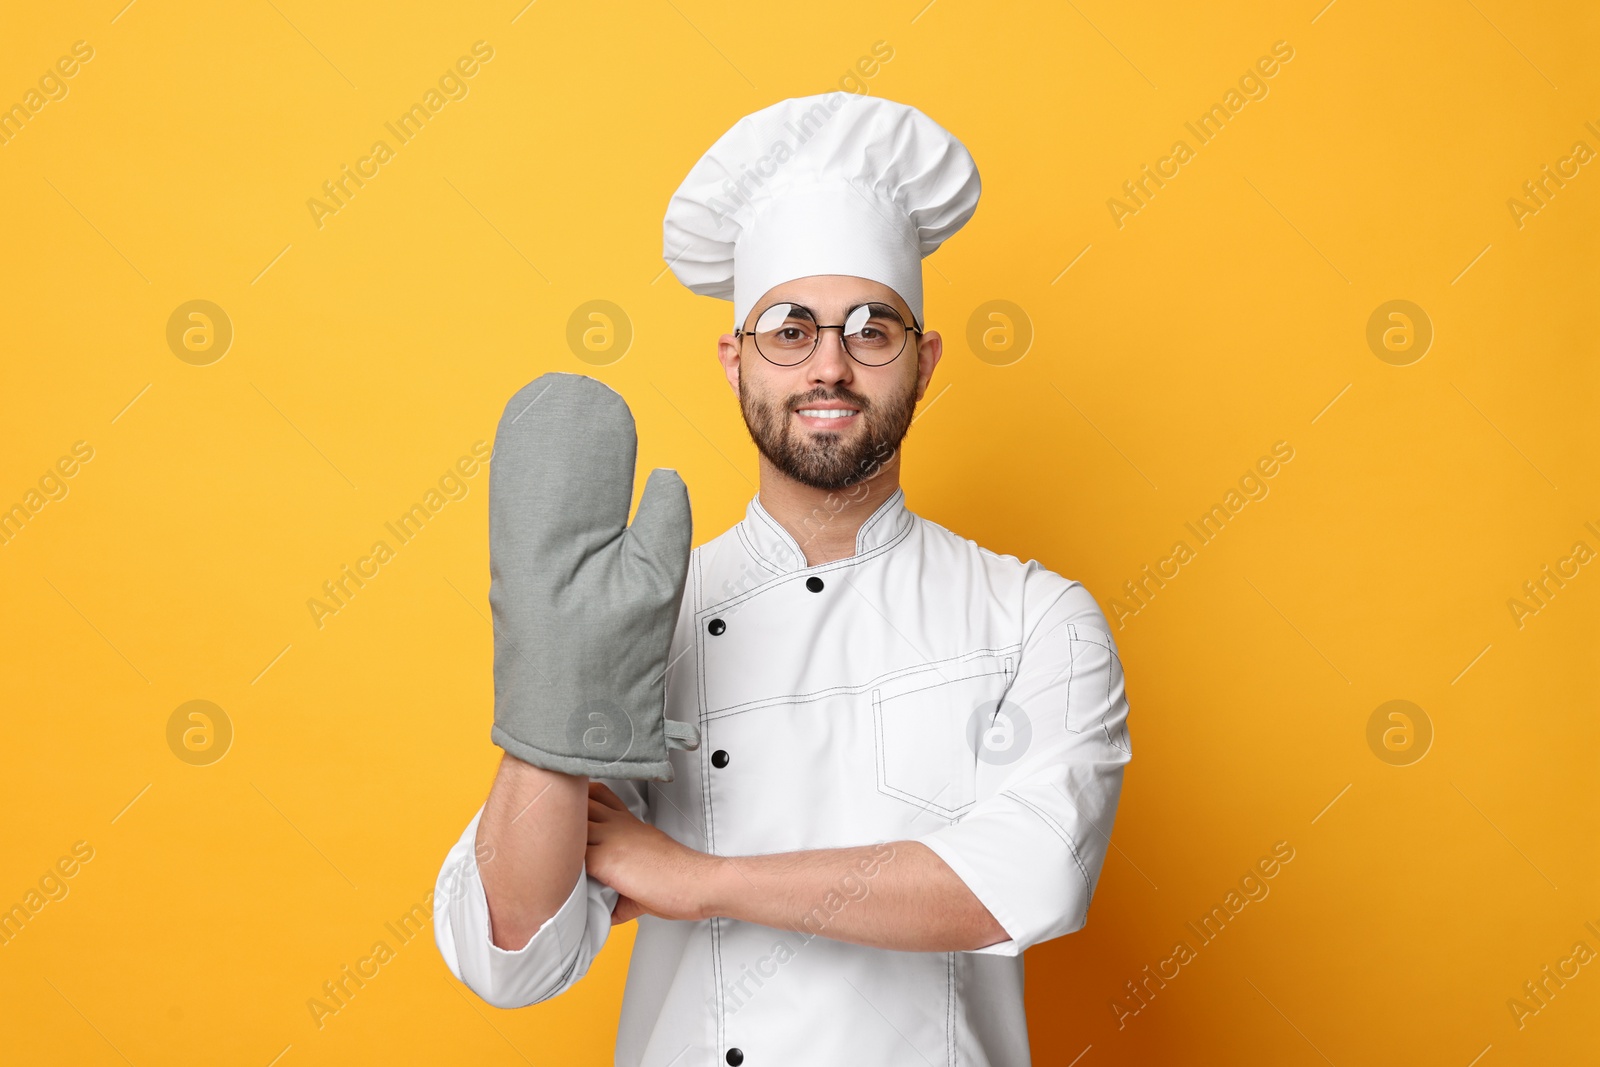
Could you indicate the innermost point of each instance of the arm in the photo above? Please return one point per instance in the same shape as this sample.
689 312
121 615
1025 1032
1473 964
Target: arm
530 844
897 895
545 930
894 895
1033 846
583 606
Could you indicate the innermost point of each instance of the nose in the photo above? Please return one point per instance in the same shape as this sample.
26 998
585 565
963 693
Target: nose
829 362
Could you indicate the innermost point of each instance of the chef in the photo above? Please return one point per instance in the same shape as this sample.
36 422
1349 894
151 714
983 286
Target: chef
889 759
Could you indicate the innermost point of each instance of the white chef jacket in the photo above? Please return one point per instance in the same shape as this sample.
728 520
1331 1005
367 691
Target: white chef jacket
836 706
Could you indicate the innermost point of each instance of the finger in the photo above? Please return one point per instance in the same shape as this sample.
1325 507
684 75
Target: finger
627 909
604 795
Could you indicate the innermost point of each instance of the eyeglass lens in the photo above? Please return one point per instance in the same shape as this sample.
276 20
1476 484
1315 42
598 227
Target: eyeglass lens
873 334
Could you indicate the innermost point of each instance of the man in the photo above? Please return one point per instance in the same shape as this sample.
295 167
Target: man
892 758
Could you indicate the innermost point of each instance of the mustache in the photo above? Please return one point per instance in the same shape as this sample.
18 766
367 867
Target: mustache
816 396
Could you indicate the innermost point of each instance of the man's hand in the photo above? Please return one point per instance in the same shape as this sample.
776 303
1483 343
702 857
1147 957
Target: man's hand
654 874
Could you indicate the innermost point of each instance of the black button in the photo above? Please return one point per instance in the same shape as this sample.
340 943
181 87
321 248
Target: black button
814 584
719 758
735 1056
716 626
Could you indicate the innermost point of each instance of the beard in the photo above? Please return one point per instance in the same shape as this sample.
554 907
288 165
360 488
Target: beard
822 459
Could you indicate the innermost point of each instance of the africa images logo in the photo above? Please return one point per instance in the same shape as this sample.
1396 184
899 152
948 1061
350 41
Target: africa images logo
1252 86
452 85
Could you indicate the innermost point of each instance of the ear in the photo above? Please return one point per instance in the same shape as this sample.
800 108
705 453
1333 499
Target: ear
728 349
929 352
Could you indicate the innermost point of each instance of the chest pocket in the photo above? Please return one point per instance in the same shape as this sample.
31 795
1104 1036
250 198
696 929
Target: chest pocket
925 722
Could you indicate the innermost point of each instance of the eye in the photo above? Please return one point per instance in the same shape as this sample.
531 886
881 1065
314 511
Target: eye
874 327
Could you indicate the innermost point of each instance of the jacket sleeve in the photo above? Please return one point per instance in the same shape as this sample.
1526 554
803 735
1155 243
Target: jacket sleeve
1031 848
555 957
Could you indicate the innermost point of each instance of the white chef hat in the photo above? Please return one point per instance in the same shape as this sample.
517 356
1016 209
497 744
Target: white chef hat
838 183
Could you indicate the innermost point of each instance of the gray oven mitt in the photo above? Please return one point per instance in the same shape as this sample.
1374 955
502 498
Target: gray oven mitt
584 604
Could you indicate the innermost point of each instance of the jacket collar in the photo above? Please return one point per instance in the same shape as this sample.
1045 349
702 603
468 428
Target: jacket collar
775 548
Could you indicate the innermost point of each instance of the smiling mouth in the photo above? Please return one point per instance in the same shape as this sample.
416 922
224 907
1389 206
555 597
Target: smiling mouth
827 413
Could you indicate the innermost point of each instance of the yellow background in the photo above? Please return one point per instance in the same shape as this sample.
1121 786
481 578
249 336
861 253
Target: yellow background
1228 314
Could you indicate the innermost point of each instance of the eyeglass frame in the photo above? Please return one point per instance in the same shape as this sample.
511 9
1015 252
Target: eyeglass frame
742 333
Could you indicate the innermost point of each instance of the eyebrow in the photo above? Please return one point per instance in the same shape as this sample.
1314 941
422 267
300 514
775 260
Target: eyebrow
877 307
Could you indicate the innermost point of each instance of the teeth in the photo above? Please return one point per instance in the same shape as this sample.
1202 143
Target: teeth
827 413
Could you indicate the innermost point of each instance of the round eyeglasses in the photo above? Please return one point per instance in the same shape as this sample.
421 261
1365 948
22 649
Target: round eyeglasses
786 334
